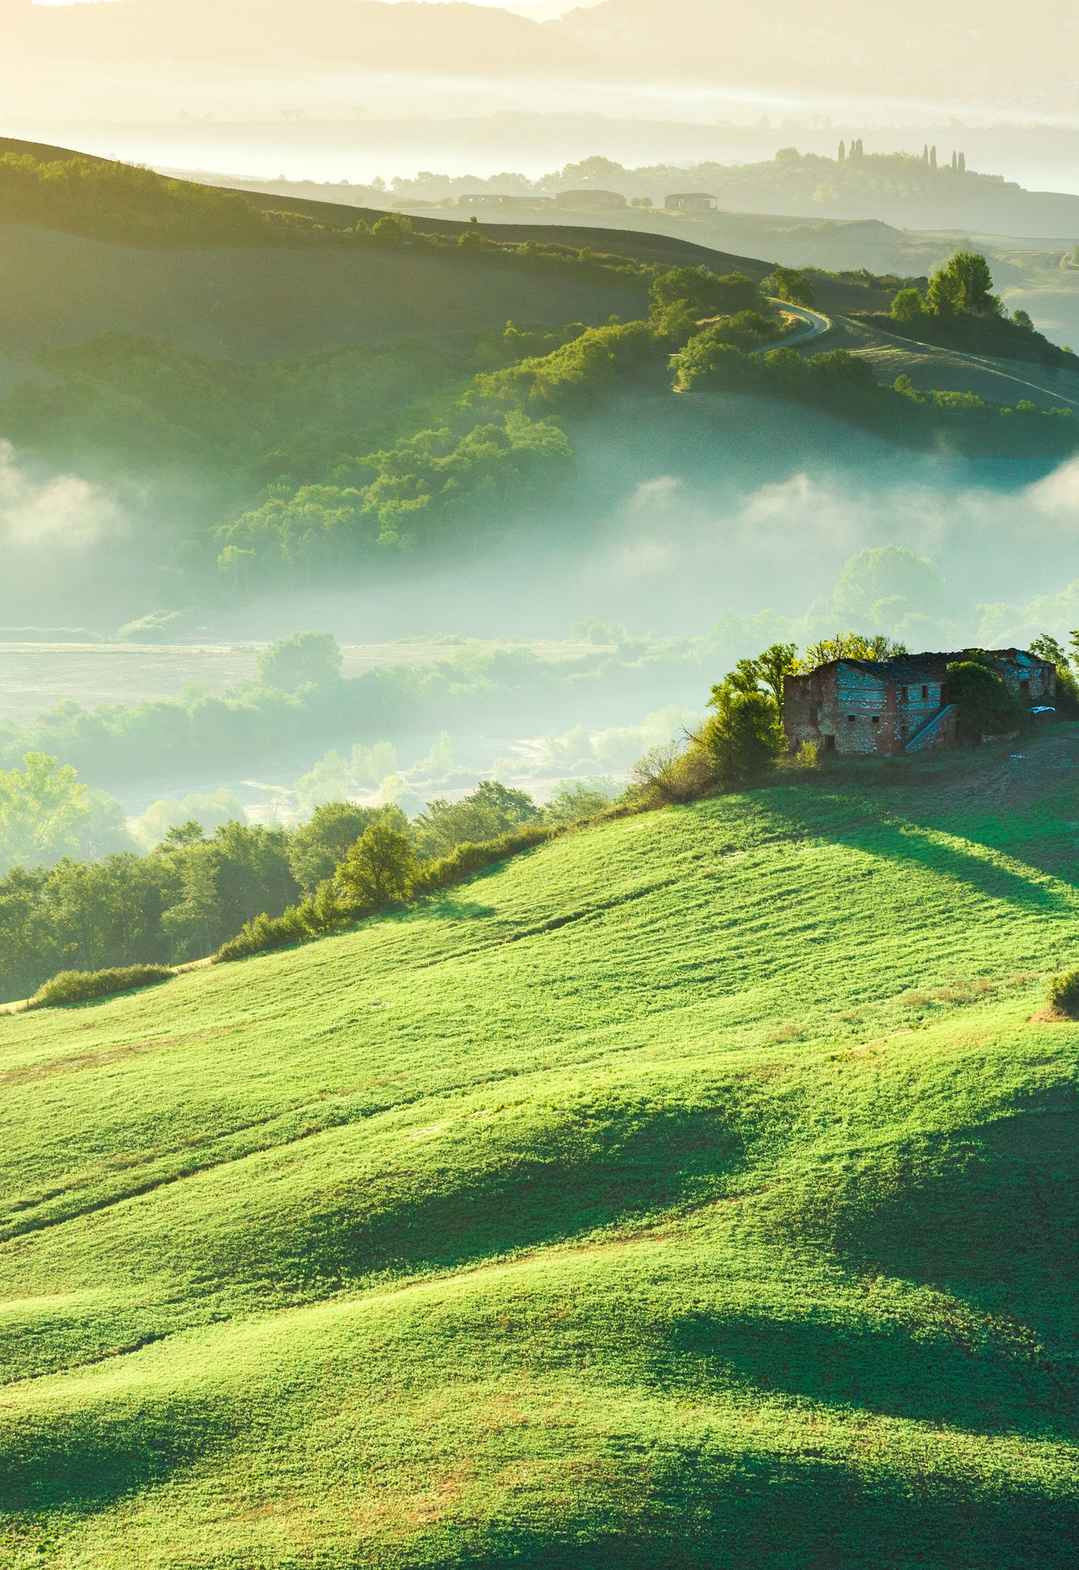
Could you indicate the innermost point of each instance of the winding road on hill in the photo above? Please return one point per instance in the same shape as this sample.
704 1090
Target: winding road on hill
983 362
814 323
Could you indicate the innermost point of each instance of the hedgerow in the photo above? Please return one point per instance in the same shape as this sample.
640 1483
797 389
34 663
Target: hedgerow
86 986
328 911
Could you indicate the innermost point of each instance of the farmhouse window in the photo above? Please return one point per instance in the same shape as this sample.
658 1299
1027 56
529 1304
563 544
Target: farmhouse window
851 718
925 693
903 694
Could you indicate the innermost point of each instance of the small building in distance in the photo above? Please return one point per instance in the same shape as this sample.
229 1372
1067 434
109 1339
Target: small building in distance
897 705
590 201
691 202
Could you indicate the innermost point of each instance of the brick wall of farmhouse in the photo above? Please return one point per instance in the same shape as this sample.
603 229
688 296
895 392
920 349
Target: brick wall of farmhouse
850 709
864 712
1031 680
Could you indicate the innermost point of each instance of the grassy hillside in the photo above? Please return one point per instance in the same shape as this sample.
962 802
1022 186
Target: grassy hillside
260 303
90 247
696 1191
953 370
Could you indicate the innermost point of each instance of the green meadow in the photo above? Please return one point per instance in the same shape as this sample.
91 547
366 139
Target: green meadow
696 1191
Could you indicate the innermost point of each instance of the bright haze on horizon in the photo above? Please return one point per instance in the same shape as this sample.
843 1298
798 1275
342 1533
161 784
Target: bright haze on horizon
244 88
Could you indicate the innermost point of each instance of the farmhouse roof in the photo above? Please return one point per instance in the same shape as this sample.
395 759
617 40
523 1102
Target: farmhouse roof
912 668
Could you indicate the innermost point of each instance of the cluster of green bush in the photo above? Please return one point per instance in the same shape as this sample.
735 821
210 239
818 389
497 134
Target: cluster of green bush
87 986
499 447
431 489
959 310
382 871
845 384
1063 994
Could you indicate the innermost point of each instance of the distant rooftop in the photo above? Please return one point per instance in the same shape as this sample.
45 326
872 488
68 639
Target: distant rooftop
916 667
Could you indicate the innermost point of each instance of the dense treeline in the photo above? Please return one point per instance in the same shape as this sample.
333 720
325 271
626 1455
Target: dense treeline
196 891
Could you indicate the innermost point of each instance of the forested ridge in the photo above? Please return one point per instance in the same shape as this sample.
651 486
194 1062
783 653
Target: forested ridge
344 464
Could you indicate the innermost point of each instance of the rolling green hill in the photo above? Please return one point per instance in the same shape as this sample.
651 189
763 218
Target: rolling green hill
699 1190
143 256
272 291
325 394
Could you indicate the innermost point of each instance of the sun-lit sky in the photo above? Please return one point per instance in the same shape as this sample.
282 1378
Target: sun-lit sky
536 8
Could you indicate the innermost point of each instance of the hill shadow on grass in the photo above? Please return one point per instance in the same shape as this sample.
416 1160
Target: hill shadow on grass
87 1457
893 837
567 1181
991 1216
450 909
988 1214
870 1367
706 1508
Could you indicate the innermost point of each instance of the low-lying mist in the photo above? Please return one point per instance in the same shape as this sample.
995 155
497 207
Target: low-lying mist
557 653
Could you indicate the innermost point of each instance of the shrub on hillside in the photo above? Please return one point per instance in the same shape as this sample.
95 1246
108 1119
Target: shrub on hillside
1064 993
465 860
84 986
306 659
380 869
332 906
705 292
315 917
262 934
986 707
671 775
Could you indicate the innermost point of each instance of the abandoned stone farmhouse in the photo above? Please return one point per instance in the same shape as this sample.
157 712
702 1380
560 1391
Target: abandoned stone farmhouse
897 705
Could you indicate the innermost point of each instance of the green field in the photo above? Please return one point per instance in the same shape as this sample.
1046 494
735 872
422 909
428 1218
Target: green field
261 304
697 1191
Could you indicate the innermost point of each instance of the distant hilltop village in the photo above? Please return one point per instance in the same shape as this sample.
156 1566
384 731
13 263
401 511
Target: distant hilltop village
597 183
592 197
856 152
927 189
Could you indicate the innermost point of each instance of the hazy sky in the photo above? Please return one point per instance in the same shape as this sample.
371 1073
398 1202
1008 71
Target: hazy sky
535 8
241 86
